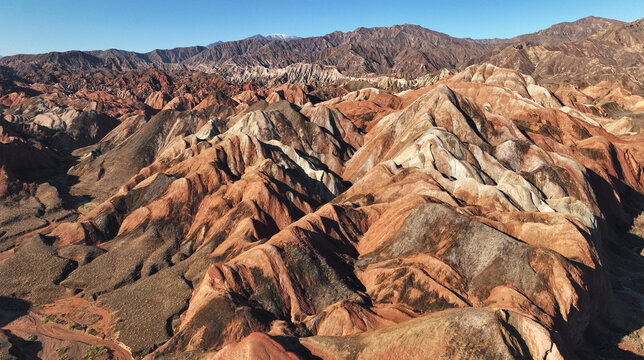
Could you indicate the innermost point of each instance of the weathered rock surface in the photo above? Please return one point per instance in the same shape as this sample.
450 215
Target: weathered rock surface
477 215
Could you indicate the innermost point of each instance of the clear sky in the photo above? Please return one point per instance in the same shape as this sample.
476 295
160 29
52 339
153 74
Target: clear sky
35 26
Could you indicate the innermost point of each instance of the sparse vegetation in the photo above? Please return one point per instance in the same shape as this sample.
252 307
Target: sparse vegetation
31 337
61 350
85 207
49 318
74 326
94 351
90 331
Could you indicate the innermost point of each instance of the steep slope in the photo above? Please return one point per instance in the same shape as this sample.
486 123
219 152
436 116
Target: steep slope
568 31
390 248
629 35
613 55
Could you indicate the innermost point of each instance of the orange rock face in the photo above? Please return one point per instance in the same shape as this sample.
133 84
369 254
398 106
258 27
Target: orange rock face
367 106
156 100
289 92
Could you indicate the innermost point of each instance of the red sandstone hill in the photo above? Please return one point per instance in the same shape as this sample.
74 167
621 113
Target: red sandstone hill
482 216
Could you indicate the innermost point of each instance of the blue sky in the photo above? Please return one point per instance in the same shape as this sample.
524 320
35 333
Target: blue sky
35 26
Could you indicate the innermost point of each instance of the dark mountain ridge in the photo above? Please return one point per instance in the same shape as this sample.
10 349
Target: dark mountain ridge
406 51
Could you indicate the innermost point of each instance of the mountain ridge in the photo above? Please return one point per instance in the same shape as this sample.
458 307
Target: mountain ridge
431 49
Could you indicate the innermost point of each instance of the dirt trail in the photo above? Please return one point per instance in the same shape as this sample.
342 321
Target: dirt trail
31 324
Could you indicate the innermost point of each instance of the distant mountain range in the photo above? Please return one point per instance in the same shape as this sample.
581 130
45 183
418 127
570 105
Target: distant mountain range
408 51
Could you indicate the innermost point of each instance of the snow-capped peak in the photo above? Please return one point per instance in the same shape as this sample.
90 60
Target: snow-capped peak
281 37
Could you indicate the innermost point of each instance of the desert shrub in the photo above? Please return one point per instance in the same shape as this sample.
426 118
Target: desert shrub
94 351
